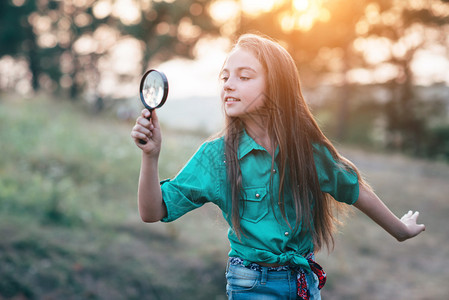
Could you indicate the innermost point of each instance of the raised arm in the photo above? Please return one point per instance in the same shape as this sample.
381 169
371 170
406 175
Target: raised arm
151 206
401 229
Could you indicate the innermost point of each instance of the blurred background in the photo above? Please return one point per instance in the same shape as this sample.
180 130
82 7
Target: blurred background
375 74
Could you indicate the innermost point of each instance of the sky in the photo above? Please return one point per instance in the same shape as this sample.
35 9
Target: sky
199 77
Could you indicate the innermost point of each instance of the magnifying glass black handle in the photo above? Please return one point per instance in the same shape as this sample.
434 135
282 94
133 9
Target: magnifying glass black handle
142 142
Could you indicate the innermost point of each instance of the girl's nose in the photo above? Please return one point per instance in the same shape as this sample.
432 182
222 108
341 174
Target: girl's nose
228 85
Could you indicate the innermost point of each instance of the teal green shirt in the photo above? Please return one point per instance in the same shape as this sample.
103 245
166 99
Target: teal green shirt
267 237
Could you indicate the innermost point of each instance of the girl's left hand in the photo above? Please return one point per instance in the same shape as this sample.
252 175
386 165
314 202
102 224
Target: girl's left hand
413 229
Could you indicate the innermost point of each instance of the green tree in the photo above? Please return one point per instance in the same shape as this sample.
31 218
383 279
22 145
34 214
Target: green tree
171 28
17 37
62 39
335 33
398 22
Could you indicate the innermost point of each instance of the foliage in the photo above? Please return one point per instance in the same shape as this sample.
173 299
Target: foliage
368 125
65 41
403 116
340 41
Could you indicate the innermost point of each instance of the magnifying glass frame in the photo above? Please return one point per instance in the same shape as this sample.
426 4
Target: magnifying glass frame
164 96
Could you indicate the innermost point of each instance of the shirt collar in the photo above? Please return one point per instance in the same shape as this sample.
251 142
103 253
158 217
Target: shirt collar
247 144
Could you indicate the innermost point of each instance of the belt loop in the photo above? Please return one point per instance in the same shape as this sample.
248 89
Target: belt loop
264 276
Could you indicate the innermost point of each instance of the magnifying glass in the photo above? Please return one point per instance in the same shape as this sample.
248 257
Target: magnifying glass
153 90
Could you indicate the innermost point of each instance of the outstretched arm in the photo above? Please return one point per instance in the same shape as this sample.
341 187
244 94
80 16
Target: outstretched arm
401 229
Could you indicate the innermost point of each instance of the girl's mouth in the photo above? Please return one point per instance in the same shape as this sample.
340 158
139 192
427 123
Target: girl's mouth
231 99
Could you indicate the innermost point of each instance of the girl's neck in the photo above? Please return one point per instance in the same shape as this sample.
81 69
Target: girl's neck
258 131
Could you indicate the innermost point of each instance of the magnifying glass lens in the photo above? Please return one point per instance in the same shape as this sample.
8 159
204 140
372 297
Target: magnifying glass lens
153 89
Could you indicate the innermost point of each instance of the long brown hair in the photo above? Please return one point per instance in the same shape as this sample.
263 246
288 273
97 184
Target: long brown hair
293 129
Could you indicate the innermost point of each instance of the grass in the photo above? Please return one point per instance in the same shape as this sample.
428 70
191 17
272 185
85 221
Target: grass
70 228
68 216
367 261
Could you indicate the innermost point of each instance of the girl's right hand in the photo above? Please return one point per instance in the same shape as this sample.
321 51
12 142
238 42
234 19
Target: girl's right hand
147 129
410 221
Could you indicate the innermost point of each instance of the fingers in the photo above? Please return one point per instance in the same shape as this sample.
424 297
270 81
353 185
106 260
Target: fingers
415 218
142 130
150 116
140 133
146 129
410 219
410 214
422 227
146 113
407 215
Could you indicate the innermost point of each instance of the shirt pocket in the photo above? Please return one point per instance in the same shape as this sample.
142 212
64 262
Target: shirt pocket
255 204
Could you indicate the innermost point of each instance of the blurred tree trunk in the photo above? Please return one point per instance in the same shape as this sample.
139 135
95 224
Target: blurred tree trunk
74 90
166 30
407 129
33 59
17 37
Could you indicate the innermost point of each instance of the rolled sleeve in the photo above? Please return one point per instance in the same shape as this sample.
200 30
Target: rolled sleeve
336 179
175 197
192 187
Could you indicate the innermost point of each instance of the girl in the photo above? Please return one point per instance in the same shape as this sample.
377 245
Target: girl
272 172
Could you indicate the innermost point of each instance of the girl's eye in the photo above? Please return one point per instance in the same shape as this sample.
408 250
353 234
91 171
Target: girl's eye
224 78
244 78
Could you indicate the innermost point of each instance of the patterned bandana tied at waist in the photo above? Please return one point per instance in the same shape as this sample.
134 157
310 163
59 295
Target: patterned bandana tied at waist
301 282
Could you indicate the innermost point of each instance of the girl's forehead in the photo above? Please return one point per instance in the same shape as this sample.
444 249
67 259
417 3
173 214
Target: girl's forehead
240 58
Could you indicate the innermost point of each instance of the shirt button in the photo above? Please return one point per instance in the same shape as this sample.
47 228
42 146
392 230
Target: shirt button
274 170
257 195
286 233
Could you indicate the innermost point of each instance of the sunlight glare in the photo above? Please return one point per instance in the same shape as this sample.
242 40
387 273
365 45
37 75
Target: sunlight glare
374 50
106 37
187 32
301 5
85 45
18 2
47 40
287 22
79 3
223 10
362 27
372 13
305 22
324 15
127 11
129 48
304 14
255 7
102 9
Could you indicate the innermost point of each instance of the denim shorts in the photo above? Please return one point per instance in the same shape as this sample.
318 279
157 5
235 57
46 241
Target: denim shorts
244 283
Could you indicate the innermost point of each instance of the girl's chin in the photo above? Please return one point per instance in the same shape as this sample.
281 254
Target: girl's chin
230 112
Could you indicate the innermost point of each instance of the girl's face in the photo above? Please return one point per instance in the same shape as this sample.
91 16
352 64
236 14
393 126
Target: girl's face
243 84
